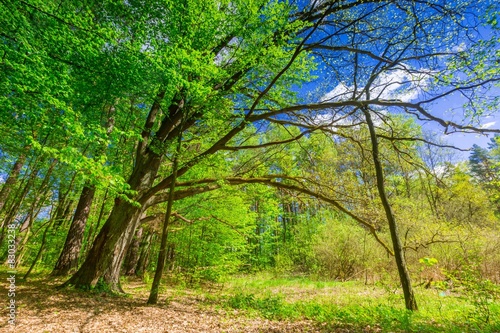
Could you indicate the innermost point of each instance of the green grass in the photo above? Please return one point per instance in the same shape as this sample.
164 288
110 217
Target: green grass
356 306
332 304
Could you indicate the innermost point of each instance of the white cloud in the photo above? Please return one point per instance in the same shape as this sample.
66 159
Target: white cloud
488 125
340 93
459 48
316 3
401 84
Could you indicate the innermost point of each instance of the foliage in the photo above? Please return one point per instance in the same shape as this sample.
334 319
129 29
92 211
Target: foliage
480 292
352 306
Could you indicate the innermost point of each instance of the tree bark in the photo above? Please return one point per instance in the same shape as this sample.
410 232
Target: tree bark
68 259
112 275
142 262
133 253
100 256
404 274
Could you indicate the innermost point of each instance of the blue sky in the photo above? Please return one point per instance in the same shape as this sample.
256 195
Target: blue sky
451 108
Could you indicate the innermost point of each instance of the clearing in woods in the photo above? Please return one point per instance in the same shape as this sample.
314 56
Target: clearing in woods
259 303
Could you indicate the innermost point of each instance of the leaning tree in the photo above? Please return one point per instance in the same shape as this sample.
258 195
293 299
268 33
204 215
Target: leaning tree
200 73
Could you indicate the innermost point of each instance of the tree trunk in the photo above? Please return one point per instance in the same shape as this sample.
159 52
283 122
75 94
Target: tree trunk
68 259
404 274
11 180
20 195
42 246
153 296
133 253
112 275
142 262
100 256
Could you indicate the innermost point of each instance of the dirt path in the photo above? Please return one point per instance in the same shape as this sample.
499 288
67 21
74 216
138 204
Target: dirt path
41 308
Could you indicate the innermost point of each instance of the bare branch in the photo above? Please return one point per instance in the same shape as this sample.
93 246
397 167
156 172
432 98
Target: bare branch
268 144
392 138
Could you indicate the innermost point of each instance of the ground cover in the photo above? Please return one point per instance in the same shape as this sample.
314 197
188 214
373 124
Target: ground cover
257 303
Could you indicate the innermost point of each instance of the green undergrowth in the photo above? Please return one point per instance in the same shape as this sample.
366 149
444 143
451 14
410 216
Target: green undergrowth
468 307
356 306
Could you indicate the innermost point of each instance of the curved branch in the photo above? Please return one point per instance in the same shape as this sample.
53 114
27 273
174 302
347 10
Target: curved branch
268 144
348 49
392 138
271 181
376 102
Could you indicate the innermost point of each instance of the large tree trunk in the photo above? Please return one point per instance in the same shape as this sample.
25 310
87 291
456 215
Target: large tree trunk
101 254
124 213
112 275
68 259
404 274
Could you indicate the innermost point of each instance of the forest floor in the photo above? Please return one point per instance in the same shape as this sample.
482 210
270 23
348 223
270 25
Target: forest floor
42 308
241 305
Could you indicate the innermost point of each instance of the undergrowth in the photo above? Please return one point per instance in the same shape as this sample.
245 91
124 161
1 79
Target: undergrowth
358 307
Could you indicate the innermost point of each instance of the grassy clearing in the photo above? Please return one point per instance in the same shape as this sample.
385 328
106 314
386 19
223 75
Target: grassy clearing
356 306
331 306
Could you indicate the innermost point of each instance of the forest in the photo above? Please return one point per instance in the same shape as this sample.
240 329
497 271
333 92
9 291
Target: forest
250 166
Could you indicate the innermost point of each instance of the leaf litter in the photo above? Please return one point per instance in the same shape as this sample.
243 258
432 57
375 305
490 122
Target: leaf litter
43 308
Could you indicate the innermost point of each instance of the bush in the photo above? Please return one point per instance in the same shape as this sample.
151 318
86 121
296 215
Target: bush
479 292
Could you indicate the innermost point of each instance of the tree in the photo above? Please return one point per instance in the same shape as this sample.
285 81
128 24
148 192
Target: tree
481 164
484 166
68 259
204 92
404 275
223 68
